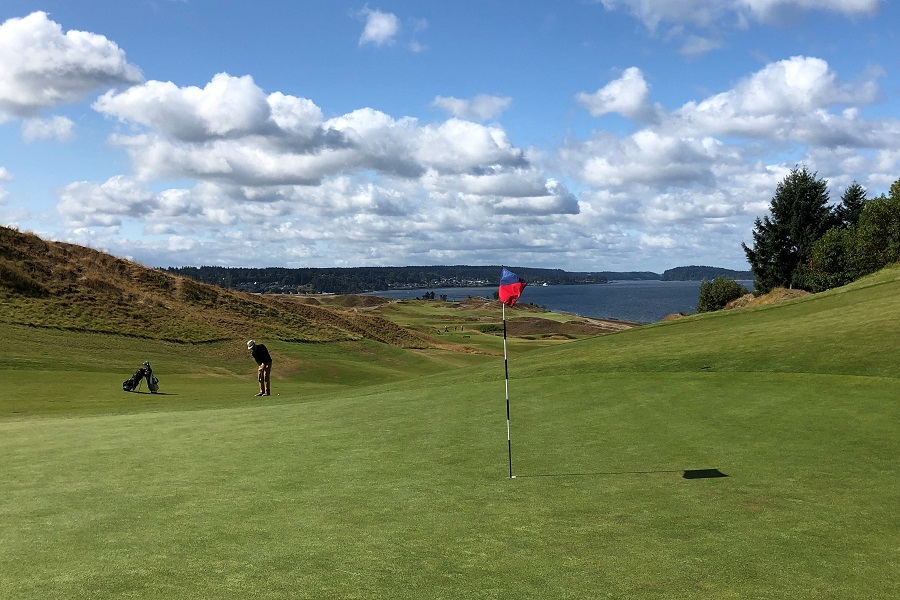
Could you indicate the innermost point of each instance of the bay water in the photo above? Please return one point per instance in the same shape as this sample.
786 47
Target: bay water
643 301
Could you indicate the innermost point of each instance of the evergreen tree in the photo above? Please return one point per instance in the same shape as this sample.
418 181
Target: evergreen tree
877 235
783 241
851 206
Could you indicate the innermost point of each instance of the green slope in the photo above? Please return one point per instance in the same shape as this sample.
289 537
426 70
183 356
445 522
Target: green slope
374 484
852 330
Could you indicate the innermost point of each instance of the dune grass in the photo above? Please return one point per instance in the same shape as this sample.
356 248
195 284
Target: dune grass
383 473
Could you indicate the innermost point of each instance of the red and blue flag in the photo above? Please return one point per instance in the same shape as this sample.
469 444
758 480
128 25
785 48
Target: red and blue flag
510 287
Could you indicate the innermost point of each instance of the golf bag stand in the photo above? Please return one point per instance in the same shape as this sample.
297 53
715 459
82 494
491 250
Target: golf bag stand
145 372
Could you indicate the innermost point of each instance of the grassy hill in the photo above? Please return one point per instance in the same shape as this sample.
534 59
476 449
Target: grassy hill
52 284
382 472
65 286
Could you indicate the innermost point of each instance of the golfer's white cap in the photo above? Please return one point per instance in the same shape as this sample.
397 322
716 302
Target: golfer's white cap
250 344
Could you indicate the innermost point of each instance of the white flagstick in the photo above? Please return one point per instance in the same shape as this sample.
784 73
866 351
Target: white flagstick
506 368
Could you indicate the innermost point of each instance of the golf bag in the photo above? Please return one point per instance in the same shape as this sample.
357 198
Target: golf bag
145 372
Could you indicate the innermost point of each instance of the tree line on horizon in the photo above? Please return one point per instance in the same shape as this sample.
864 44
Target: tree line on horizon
356 280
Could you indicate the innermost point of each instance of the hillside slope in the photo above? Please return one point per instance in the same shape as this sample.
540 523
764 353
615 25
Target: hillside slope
852 330
54 284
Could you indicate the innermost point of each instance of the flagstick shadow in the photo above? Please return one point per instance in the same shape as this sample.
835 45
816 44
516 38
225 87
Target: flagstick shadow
596 474
685 473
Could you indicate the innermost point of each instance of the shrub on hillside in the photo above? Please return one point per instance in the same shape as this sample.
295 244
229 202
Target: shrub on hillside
715 294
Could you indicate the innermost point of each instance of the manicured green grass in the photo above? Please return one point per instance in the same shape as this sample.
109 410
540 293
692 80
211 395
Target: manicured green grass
386 477
47 371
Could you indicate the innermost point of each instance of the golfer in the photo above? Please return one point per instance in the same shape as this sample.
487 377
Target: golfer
260 354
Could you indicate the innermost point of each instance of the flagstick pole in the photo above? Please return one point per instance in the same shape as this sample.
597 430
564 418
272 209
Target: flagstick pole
506 369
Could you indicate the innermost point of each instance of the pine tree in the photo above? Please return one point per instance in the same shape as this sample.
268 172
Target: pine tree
782 242
851 206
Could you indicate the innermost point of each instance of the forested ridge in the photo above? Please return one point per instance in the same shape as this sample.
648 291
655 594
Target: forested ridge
701 273
356 280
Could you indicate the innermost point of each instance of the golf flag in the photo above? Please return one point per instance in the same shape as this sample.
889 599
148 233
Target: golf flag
510 287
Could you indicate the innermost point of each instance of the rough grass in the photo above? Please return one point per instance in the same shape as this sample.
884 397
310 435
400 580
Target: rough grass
776 295
52 284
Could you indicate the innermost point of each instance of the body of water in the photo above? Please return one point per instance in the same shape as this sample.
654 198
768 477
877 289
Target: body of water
644 301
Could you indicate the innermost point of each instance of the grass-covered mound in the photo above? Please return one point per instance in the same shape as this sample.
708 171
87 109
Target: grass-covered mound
53 284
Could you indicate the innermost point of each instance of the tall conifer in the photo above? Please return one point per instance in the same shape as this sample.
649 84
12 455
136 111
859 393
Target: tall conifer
851 206
782 240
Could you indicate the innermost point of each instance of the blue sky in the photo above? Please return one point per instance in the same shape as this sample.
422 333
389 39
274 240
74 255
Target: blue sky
582 134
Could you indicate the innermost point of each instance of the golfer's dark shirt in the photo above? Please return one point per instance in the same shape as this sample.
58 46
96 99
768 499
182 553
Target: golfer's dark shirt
261 354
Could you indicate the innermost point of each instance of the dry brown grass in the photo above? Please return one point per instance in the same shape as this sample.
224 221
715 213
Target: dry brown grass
54 284
776 295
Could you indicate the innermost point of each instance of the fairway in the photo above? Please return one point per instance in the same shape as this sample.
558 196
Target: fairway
384 473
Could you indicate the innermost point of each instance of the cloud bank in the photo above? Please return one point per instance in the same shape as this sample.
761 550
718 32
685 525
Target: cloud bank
229 173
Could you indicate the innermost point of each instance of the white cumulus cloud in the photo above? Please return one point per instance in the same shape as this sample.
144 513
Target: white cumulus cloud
226 107
85 204
369 183
626 95
43 67
457 146
381 28
794 98
231 131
